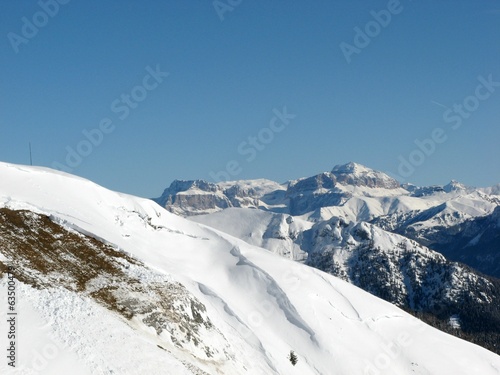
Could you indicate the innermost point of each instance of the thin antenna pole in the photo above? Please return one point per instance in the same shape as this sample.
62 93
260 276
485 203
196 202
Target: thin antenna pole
31 157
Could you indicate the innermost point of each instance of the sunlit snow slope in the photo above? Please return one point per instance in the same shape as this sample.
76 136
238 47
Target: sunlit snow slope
255 306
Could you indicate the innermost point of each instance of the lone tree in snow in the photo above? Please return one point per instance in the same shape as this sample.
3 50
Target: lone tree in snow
293 357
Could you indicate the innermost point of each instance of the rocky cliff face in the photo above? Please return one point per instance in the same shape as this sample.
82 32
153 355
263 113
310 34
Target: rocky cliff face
193 197
312 193
198 197
334 188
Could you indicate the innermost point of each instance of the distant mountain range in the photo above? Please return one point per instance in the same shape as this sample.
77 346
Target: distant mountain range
434 216
399 242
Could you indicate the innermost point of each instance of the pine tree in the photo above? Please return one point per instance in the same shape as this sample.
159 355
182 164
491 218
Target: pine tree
293 358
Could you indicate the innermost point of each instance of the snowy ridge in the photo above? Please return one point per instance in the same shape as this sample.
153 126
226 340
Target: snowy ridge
262 304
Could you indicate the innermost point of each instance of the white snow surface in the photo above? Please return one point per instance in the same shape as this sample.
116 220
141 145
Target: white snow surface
263 304
269 230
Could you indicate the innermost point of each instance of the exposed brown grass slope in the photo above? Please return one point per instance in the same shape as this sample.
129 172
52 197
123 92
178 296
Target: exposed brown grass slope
45 254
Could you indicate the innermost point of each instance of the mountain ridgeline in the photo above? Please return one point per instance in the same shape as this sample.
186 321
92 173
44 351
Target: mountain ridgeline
398 242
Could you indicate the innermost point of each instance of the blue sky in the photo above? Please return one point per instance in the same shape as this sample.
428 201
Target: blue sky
231 69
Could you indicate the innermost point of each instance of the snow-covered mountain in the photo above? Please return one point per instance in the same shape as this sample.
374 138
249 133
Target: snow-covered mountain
388 265
187 198
399 270
351 192
472 241
464 228
108 283
319 221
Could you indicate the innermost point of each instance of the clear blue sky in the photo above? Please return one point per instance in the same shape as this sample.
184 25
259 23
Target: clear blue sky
226 77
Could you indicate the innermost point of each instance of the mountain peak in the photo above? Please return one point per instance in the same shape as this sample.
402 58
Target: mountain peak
454 185
351 167
359 175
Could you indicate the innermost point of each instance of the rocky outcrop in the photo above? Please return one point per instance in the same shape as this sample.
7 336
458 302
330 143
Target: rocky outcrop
193 198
